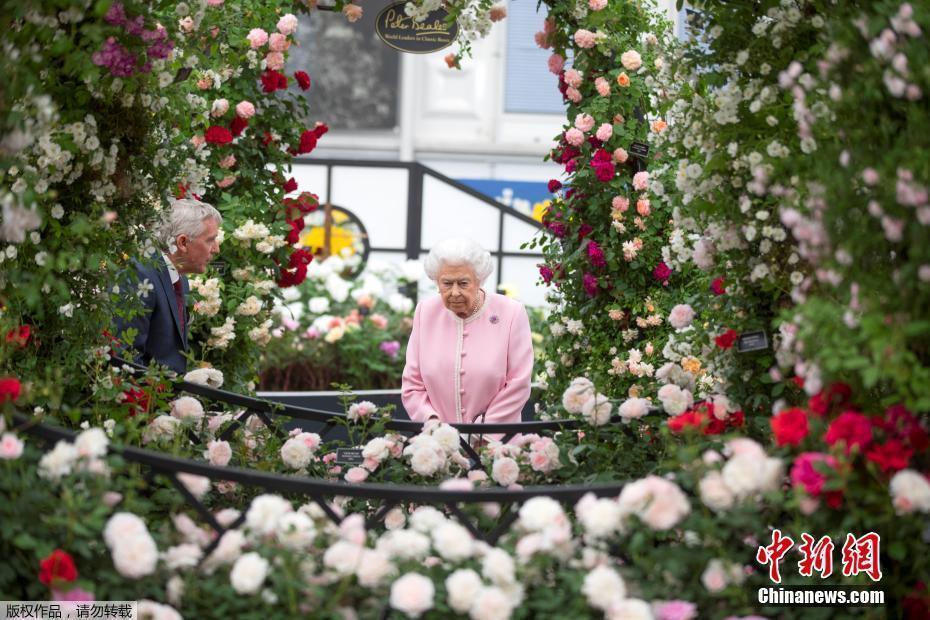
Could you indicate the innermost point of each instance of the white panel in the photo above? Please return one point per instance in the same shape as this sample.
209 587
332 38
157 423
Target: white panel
517 232
460 169
449 212
378 196
522 273
536 171
310 178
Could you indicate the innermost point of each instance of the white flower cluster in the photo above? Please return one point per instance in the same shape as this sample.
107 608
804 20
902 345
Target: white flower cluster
209 291
222 335
299 450
134 552
85 454
748 473
436 450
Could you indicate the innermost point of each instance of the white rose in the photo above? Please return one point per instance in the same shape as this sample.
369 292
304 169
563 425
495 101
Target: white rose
600 518
539 513
453 542
227 551
426 461
342 557
674 399
210 377
182 556
630 609
412 594
910 492
714 492
576 394
425 519
491 604
295 453
59 462
745 475
505 471
603 587
318 305
376 449
162 427
296 531
373 568
136 556
596 410
631 60
633 408
265 512
197 485
448 437
92 443
248 574
498 567
404 544
122 526
462 586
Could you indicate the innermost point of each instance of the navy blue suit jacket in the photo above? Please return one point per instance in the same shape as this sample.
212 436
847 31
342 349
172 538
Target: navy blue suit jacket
159 335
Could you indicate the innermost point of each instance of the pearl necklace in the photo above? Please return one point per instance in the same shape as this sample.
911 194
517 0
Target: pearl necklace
474 309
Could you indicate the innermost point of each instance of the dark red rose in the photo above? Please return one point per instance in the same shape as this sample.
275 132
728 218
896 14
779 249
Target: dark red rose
10 389
596 254
790 427
546 273
584 230
589 282
299 258
57 568
292 277
662 273
296 226
835 395
238 125
217 135
272 81
308 141
320 129
716 287
727 339
267 139
891 456
554 186
290 186
138 401
303 80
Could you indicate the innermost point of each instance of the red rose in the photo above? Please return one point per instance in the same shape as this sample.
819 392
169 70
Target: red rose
890 456
852 428
267 139
290 186
727 339
553 186
58 567
835 395
292 277
736 419
662 272
10 389
790 427
238 125
717 287
272 81
303 80
19 335
308 141
296 226
138 401
218 135
299 258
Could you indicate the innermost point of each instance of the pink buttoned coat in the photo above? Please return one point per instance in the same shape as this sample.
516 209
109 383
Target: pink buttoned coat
458 369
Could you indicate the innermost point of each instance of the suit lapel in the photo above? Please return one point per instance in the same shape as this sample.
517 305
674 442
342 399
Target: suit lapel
168 291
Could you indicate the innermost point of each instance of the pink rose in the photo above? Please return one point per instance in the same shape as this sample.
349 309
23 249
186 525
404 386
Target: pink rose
204 83
604 132
681 316
10 447
620 203
584 122
620 156
597 5
257 37
245 109
497 13
228 162
870 176
505 471
642 206
378 320
274 61
219 453
287 24
353 12
542 40
573 95
574 137
112 498
641 181
197 140
219 108
186 24
572 78
631 60
602 86
226 181
805 474
277 42
585 38
556 63
356 475
215 3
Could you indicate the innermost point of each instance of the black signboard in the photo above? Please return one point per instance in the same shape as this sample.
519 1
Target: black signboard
349 456
639 149
752 341
404 34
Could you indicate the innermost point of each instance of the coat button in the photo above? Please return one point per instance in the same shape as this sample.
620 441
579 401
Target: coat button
463 353
462 391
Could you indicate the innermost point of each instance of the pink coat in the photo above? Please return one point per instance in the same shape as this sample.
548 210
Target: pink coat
458 368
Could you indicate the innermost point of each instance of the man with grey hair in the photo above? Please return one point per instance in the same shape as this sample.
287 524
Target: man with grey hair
188 238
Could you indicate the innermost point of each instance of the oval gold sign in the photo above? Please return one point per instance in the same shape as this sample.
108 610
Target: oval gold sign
401 32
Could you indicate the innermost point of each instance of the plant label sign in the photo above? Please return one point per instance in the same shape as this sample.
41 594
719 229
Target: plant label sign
349 456
403 33
640 150
752 341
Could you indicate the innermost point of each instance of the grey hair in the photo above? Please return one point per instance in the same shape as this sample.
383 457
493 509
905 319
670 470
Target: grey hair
185 217
458 251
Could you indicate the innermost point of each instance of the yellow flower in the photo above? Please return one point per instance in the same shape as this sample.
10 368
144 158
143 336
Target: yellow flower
692 365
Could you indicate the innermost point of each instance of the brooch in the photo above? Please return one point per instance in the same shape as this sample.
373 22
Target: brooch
494 319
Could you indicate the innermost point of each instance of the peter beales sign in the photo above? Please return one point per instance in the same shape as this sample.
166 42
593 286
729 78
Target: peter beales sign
404 34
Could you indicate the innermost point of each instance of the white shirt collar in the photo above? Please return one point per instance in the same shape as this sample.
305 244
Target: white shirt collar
172 271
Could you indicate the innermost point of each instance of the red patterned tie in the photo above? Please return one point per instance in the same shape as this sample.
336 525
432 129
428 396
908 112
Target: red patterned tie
179 298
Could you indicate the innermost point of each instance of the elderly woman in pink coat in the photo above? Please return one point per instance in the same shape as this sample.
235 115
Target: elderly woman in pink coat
470 355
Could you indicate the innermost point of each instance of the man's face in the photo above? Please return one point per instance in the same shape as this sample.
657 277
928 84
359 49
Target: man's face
194 253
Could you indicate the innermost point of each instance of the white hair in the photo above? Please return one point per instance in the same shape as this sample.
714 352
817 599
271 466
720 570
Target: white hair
185 217
458 251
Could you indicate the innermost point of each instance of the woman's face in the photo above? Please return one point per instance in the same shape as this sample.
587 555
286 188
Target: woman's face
458 286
